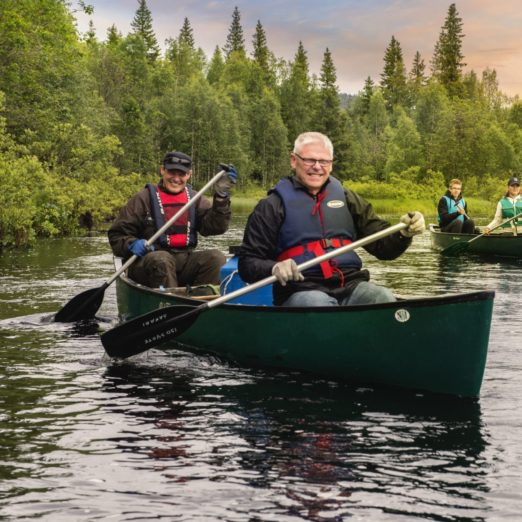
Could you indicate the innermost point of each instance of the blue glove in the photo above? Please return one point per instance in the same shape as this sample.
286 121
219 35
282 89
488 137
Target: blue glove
139 247
225 183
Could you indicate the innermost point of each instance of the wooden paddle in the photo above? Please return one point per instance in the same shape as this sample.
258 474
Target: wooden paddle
462 246
86 304
148 330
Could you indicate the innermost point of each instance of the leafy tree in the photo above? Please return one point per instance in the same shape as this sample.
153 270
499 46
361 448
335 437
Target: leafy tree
447 62
142 26
235 40
404 148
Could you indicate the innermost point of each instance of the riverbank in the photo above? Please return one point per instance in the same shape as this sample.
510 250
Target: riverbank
244 201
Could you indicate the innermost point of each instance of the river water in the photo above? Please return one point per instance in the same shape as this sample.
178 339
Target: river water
173 436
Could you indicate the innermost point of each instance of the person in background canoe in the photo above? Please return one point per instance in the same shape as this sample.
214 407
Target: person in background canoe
308 214
173 261
453 211
509 206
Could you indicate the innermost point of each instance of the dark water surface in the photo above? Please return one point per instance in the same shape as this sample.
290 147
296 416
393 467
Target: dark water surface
172 436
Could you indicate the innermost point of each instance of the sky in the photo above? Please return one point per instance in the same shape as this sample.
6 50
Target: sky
356 32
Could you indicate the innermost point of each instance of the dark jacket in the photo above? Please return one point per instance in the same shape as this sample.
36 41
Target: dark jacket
445 218
258 252
135 221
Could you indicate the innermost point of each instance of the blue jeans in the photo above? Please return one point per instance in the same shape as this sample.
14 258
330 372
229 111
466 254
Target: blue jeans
363 294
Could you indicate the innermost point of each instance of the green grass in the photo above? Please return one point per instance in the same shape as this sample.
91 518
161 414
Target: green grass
478 208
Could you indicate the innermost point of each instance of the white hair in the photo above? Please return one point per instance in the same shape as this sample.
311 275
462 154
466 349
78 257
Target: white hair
312 137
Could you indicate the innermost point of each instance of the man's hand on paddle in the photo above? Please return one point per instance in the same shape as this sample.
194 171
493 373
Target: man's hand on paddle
415 222
286 271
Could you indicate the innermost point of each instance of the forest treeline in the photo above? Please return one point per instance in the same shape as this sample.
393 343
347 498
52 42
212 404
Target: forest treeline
84 123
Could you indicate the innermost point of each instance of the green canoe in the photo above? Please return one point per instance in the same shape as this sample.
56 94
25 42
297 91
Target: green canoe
436 344
500 245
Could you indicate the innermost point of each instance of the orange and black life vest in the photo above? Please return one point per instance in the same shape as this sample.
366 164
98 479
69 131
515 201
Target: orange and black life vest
182 233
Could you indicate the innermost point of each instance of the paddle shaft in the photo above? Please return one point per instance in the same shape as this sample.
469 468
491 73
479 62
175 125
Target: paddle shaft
495 227
162 229
308 264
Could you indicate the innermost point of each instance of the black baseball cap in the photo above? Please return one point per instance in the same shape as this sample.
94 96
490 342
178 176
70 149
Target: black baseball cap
513 181
177 161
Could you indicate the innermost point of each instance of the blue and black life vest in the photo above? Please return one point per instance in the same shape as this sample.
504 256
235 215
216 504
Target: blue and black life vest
511 209
453 206
315 225
182 233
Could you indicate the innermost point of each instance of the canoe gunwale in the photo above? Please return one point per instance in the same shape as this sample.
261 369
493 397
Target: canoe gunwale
412 302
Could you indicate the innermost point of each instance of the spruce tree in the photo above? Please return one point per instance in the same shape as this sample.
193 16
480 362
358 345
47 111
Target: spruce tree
262 55
330 120
367 94
393 77
235 40
142 26
216 67
295 96
186 35
447 62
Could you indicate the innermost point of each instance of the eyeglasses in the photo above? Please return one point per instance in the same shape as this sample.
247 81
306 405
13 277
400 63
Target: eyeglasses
310 162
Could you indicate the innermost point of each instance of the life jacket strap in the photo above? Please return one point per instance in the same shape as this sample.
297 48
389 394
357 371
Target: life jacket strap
318 248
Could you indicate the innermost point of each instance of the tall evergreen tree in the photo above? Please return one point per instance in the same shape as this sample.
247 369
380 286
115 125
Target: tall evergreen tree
393 77
235 40
262 55
367 94
142 26
418 76
447 62
186 35
295 95
216 66
329 119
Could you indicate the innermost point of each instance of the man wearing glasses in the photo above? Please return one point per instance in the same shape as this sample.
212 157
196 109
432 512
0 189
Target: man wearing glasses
308 214
173 261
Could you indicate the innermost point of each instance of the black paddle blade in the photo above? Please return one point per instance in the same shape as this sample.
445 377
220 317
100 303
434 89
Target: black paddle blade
456 248
149 330
82 306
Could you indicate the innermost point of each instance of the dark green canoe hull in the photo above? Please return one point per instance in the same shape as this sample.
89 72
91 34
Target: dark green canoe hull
435 344
499 245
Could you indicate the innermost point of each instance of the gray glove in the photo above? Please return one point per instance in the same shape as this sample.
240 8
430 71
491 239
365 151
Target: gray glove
415 222
286 271
225 183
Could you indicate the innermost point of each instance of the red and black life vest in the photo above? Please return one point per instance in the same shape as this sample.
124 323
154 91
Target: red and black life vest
316 225
182 233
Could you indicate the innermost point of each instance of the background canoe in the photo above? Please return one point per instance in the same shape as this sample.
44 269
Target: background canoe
502 245
401 344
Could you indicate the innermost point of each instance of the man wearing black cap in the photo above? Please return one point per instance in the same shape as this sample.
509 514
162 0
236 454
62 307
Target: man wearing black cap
509 206
173 261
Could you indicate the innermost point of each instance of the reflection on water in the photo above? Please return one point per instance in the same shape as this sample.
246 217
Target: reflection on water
175 436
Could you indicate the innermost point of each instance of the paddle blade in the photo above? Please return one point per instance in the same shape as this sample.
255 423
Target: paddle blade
149 330
456 248
82 306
